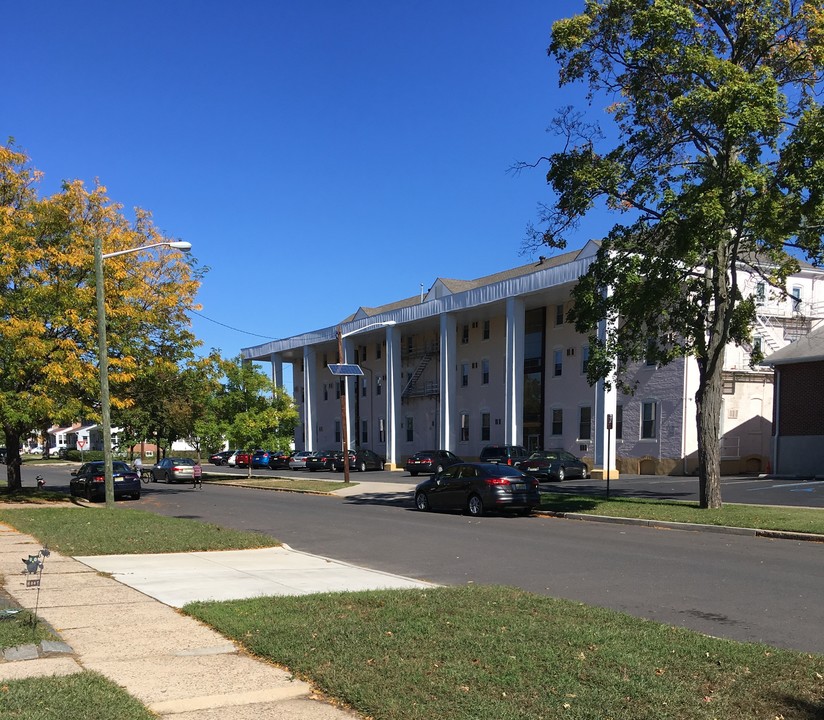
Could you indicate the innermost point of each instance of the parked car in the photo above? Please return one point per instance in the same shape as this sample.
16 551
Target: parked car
270 459
222 457
298 460
322 460
173 469
478 487
243 458
89 481
505 454
3 455
430 461
554 465
360 460
232 461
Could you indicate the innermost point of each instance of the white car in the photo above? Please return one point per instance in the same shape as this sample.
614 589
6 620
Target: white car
232 460
298 460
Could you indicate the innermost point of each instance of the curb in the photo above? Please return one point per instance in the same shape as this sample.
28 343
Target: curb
694 527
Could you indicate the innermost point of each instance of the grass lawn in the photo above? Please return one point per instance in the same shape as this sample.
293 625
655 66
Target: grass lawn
299 484
22 629
806 520
497 653
85 695
97 531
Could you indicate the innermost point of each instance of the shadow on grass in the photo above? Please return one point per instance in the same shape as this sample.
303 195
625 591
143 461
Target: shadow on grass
802 709
557 502
31 496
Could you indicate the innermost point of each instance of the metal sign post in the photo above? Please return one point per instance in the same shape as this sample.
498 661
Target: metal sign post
609 443
344 370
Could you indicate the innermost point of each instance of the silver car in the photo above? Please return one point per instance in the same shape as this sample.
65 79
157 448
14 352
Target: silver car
298 460
173 469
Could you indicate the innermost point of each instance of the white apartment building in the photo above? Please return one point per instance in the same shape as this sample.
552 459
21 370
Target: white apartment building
492 361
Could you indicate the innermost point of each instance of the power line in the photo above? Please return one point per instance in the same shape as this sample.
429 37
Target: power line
229 327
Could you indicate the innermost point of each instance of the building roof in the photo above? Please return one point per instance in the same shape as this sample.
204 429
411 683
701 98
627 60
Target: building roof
809 348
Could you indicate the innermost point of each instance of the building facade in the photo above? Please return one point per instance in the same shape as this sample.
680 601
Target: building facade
493 361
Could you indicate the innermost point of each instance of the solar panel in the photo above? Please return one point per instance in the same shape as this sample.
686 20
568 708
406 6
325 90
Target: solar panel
345 369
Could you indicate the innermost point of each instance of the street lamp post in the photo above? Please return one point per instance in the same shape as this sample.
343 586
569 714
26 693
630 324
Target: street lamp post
343 420
103 353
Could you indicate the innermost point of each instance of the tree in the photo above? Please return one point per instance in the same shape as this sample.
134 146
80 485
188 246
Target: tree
717 166
48 338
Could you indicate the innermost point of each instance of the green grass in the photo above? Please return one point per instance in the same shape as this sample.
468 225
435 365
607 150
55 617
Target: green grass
97 531
84 695
30 495
805 520
496 653
300 484
23 629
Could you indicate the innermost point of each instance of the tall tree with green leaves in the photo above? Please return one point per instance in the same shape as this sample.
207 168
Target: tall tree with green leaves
715 163
48 331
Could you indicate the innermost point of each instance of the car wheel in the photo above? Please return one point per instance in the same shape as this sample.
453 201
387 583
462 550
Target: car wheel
168 477
88 493
422 502
362 467
475 506
561 474
523 512
136 496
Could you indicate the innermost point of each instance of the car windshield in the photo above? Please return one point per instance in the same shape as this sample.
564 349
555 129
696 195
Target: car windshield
503 471
544 455
182 461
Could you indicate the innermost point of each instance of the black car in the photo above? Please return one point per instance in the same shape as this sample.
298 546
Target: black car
478 487
360 460
2 455
430 461
554 465
89 481
506 454
220 458
323 460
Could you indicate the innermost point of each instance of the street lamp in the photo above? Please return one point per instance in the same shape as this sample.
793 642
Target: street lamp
342 360
103 352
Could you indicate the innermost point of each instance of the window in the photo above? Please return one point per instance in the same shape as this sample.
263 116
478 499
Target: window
584 359
410 429
559 314
557 421
381 431
484 372
619 422
377 351
585 423
756 344
325 392
796 293
337 431
559 362
465 335
378 384
648 421
363 388
486 330
464 374
364 432
759 293
363 354
485 426
464 427
338 386
728 386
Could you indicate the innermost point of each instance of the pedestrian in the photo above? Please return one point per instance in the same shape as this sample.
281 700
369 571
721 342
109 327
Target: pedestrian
137 465
197 474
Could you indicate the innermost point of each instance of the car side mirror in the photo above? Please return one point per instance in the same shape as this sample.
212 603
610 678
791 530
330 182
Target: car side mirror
73 473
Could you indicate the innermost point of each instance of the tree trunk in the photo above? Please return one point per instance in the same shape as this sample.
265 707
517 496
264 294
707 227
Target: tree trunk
708 418
13 460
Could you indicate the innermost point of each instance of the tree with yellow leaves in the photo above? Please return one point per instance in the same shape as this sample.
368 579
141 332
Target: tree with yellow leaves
48 336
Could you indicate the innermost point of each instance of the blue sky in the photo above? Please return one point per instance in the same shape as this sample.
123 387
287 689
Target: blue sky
318 155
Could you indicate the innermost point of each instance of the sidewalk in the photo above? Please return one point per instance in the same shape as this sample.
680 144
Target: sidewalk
125 627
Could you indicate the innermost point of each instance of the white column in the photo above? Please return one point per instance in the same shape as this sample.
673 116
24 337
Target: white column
309 381
351 435
605 404
514 372
448 374
277 369
392 387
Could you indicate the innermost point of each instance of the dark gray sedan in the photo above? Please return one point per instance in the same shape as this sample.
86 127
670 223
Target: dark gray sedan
479 487
89 481
554 465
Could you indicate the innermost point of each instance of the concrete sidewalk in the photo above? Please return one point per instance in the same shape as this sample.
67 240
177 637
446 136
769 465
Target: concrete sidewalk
123 626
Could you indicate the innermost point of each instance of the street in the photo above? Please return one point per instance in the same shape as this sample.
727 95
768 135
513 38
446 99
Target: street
749 589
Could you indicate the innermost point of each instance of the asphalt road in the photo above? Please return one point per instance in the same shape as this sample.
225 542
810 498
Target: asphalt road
749 589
